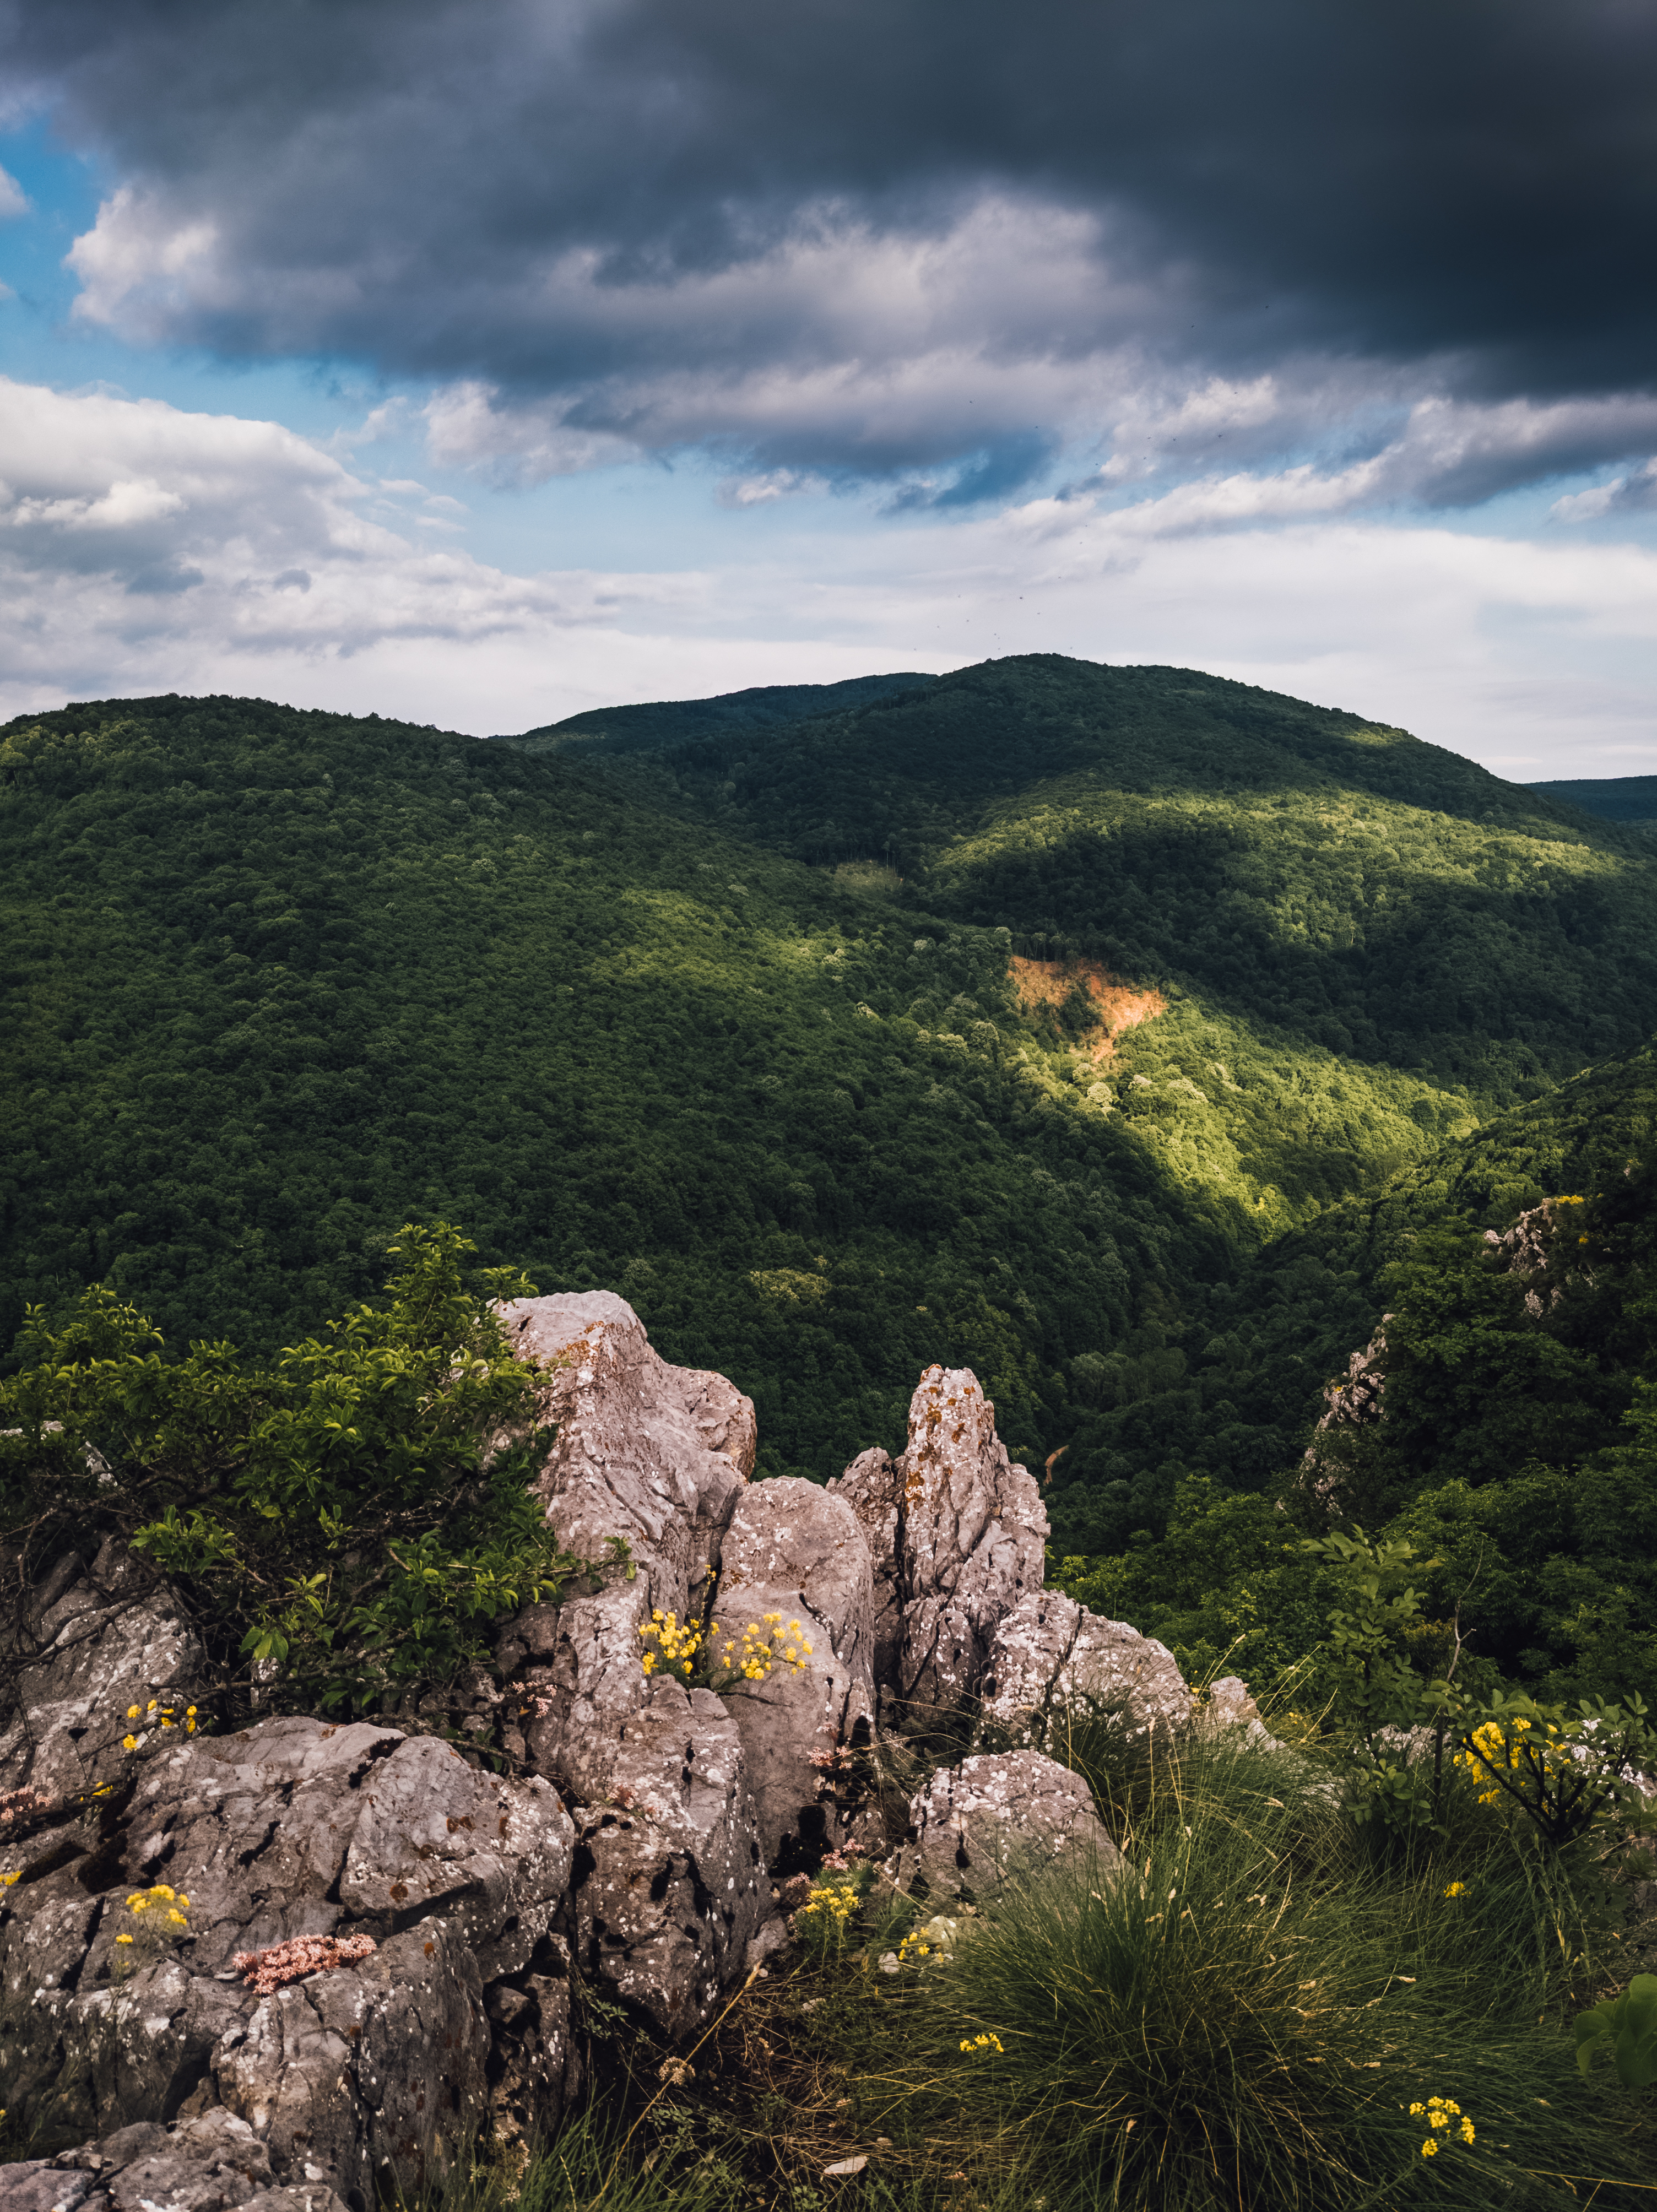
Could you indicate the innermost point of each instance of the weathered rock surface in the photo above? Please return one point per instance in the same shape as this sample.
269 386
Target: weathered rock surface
670 1882
292 1828
966 1532
1051 1659
1229 1705
872 1488
1000 1817
633 1460
794 1551
206 2164
94 1640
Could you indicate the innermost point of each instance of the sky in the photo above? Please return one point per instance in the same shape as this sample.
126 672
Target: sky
477 361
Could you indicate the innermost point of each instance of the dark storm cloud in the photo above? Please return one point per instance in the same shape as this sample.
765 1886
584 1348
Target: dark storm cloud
827 233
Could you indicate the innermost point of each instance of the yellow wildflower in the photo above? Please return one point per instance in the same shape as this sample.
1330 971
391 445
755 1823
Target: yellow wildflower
123 1939
981 2042
8 1879
1457 1889
132 1713
129 1743
177 1918
162 1890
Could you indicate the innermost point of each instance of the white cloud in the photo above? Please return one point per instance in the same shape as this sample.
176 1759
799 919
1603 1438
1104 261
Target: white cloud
143 548
14 200
1634 493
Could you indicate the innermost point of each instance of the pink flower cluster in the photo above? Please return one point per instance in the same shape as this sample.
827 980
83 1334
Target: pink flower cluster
267 1971
842 1862
20 1805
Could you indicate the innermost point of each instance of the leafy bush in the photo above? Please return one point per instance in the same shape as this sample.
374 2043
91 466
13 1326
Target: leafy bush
346 1524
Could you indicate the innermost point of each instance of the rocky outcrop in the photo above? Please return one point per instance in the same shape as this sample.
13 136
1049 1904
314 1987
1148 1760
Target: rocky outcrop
632 1461
91 1640
375 1963
1053 1660
793 1550
961 1535
291 1829
206 2164
1001 1817
670 1882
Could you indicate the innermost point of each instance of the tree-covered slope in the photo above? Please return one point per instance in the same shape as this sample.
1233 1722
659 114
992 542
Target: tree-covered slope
1611 798
670 721
1348 885
1516 1442
276 982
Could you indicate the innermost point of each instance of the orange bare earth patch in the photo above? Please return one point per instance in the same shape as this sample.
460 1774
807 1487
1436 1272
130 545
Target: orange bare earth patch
1121 1005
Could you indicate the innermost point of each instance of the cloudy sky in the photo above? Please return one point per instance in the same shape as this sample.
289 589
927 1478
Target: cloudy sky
477 361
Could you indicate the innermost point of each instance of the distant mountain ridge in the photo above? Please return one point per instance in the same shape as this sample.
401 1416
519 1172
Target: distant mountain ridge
1630 798
671 721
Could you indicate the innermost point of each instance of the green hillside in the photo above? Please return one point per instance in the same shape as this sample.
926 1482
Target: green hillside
1518 1449
669 721
277 982
633 1014
1611 798
1351 885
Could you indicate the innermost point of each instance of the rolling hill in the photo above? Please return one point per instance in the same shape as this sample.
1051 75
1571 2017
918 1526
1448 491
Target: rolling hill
1034 1016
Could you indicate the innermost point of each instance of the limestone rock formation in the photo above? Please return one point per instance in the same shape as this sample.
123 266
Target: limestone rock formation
90 1639
292 1828
794 1551
633 1460
670 1883
961 1533
640 1835
207 2164
1052 1659
997 1817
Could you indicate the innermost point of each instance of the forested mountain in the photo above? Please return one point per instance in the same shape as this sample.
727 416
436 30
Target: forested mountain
1110 1030
1611 798
669 721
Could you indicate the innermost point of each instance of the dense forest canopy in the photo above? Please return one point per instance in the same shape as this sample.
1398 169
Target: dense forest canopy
797 1017
1612 797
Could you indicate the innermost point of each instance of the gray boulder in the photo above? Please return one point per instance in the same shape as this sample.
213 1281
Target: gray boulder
794 1551
872 1486
670 1884
1008 1816
1052 1660
92 1641
292 1830
206 2164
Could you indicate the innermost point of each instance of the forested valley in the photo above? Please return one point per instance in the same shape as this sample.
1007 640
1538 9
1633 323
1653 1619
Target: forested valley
1134 1037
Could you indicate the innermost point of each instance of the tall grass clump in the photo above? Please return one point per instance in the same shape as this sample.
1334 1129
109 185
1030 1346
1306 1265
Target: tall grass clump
1242 2009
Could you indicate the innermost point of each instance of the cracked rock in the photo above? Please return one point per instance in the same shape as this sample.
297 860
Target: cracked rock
1007 1816
957 1535
633 1459
793 1549
669 1885
1052 1660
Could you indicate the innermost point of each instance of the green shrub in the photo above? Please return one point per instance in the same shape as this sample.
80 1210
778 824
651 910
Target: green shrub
346 1524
